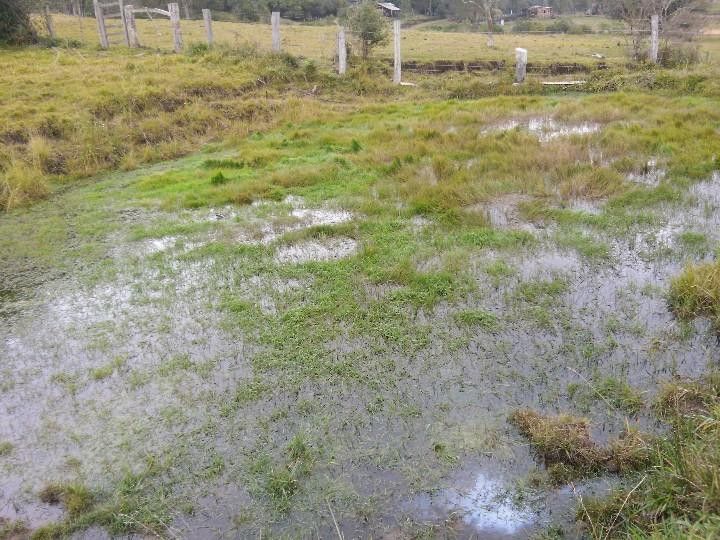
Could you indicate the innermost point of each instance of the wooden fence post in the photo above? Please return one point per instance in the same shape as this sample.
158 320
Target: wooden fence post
520 64
133 40
397 72
275 22
49 23
174 10
100 19
207 17
342 51
654 38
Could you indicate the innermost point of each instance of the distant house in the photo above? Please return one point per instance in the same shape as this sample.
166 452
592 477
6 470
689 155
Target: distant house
389 9
540 12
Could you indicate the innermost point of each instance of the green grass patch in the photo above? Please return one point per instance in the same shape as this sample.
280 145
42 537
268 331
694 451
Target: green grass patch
476 317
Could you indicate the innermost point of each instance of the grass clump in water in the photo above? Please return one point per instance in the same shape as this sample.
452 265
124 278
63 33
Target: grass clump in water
677 496
12 530
6 448
280 482
564 444
76 498
476 317
620 395
696 292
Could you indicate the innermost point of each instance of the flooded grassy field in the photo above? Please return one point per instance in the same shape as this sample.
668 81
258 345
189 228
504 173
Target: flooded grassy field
323 331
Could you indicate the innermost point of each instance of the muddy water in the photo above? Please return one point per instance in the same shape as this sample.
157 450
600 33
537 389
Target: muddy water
426 443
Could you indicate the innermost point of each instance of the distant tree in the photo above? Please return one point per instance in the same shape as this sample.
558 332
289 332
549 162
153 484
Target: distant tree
369 25
15 25
637 13
489 9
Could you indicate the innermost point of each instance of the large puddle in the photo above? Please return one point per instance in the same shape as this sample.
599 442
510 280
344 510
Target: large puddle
98 374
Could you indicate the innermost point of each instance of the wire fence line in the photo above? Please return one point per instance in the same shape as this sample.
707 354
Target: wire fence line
320 42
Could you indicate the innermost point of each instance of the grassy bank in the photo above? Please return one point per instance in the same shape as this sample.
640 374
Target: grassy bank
71 113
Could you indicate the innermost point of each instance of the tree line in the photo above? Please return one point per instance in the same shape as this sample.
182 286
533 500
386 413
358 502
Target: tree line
308 10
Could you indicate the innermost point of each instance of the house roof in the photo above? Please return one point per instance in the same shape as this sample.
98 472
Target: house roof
388 5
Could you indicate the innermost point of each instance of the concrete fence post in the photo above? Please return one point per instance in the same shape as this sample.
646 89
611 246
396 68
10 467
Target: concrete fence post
275 23
397 72
654 38
207 17
49 23
133 40
174 10
100 19
342 51
520 65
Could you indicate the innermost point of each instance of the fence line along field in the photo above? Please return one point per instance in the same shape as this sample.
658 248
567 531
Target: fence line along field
319 41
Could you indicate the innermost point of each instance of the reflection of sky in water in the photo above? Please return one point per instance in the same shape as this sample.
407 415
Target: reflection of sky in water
486 506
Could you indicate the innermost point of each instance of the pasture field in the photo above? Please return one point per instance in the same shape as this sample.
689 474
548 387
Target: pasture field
319 41
242 297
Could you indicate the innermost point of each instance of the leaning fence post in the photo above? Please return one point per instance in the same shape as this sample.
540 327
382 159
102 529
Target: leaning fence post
49 23
520 64
174 10
275 22
133 40
207 17
654 38
100 19
342 51
397 72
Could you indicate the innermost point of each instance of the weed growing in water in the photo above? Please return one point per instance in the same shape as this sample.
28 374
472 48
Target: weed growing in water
6 448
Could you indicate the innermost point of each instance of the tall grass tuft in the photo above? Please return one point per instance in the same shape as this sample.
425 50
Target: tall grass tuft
696 292
21 184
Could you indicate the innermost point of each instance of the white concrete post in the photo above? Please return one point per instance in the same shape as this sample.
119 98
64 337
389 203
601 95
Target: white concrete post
397 72
100 19
123 21
520 64
207 17
275 22
133 40
174 10
654 38
49 23
342 51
